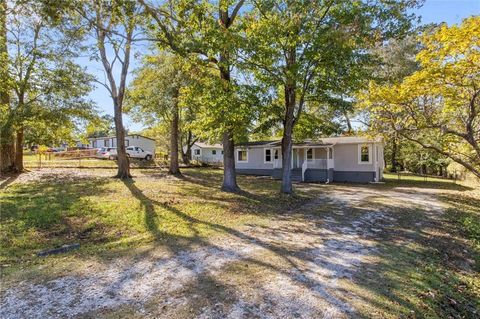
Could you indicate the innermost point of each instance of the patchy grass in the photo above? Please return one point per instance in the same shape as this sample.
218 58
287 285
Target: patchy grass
103 213
32 161
423 182
428 266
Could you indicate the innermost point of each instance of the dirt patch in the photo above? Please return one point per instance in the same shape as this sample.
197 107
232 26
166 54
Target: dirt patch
61 174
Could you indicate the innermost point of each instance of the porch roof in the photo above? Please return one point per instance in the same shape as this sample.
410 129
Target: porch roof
321 142
305 144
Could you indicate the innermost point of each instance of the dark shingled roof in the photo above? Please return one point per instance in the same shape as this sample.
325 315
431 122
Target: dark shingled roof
256 143
279 143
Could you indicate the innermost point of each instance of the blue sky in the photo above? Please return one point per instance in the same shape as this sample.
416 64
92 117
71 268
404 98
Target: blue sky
433 11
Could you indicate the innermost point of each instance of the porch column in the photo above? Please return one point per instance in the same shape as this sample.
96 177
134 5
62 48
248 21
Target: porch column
330 164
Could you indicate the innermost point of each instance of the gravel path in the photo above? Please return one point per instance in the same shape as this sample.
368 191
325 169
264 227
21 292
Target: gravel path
294 268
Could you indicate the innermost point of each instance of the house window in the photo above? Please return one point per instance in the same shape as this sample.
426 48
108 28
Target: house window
364 154
330 153
268 155
310 154
214 152
196 152
127 142
275 154
242 156
222 152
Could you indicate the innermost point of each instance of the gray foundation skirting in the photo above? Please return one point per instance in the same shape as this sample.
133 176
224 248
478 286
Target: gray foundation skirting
252 171
316 175
353 177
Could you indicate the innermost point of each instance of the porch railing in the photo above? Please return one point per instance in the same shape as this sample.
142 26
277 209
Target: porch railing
277 163
313 163
316 163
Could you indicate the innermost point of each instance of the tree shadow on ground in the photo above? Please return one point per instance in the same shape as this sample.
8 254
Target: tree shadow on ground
8 179
424 266
397 259
291 257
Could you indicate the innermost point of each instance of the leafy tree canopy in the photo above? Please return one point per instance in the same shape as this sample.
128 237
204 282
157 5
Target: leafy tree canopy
438 106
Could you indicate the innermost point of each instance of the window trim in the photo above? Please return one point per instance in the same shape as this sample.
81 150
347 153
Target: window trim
369 162
265 156
313 154
246 152
195 152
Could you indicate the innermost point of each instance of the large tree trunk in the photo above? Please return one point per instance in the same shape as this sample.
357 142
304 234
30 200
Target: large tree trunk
7 144
289 121
123 171
7 150
117 94
19 150
174 168
229 174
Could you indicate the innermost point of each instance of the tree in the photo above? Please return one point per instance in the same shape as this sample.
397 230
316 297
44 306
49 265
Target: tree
7 146
113 24
155 94
319 119
46 86
396 60
437 106
296 47
207 31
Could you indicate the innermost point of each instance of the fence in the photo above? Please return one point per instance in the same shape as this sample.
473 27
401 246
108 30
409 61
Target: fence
77 159
424 177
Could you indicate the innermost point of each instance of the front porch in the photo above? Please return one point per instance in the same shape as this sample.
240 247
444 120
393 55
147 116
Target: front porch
310 163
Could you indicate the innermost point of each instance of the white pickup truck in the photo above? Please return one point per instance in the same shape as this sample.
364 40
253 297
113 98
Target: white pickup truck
132 152
138 152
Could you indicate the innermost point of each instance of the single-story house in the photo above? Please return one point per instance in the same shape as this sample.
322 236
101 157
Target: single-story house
332 159
207 153
146 143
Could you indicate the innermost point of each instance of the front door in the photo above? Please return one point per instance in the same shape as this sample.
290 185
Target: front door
295 158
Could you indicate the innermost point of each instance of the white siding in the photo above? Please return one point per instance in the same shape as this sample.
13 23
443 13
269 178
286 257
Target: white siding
256 159
206 154
346 158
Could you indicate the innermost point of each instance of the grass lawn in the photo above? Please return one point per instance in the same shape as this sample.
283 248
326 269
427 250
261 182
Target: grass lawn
405 248
103 213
